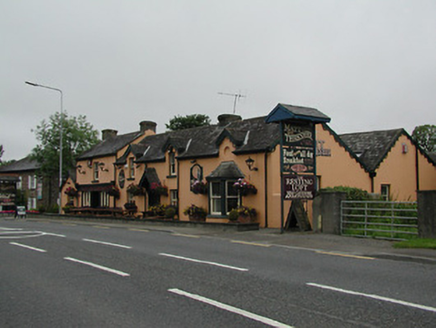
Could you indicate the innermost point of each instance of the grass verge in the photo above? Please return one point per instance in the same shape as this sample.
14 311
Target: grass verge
417 243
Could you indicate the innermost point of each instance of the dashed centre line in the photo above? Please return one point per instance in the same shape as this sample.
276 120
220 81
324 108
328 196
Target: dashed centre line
229 308
97 266
204 262
29 247
373 296
106 243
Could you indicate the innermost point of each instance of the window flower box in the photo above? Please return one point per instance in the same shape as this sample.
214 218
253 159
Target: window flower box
199 187
244 187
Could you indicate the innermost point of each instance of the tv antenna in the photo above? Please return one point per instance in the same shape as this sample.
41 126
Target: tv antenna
236 95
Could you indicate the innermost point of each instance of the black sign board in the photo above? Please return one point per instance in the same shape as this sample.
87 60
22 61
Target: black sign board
298 148
299 187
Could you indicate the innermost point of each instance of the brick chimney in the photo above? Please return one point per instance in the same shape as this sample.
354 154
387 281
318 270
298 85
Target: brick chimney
225 119
147 125
108 133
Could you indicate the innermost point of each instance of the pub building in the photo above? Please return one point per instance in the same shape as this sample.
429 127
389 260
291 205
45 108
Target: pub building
271 164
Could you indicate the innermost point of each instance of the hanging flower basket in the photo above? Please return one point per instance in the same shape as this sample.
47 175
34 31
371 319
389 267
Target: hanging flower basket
159 189
115 192
244 187
72 192
135 190
199 187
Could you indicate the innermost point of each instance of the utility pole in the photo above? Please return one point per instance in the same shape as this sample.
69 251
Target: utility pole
236 95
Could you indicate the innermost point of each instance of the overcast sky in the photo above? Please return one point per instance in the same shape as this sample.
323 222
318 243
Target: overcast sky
369 65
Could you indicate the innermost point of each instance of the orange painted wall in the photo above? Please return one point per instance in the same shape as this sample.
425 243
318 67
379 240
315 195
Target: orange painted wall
398 171
427 174
340 169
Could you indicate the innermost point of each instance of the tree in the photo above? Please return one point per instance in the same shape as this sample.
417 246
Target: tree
425 136
77 136
188 121
4 163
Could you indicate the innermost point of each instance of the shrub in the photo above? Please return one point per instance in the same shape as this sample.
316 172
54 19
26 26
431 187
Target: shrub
170 212
234 215
352 193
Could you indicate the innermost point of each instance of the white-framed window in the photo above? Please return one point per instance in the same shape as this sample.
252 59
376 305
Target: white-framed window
104 199
31 203
131 168
172 160
20 183
31 182
86 198
96 171
173 197
223 197
385 192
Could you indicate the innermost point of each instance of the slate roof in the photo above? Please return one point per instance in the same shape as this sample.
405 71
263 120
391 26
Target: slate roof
249 136
22 165
228 170
110 146
372 147
290 112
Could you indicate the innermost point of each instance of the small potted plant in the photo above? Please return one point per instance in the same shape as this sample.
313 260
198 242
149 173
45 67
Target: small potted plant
170 212
246 214
196 213
233 215
157 210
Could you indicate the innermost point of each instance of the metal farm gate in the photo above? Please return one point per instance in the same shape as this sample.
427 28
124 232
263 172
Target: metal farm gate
379 219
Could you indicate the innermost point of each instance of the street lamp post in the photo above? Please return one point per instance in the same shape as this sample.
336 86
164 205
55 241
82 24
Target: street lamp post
60 142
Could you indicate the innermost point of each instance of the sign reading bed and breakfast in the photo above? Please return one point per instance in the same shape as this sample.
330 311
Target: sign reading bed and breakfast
298 148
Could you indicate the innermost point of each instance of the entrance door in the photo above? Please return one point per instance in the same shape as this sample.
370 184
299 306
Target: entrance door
95 199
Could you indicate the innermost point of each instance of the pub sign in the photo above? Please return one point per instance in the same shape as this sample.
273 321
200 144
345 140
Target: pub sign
299 187
298 148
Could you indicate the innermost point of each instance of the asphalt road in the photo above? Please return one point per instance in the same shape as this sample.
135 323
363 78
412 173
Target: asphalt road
55 274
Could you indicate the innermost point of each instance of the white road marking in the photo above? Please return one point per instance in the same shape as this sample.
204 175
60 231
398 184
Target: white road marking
230 308
106 243
4 228
29 247
204 262
97 266
52 234
377 297
19 234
